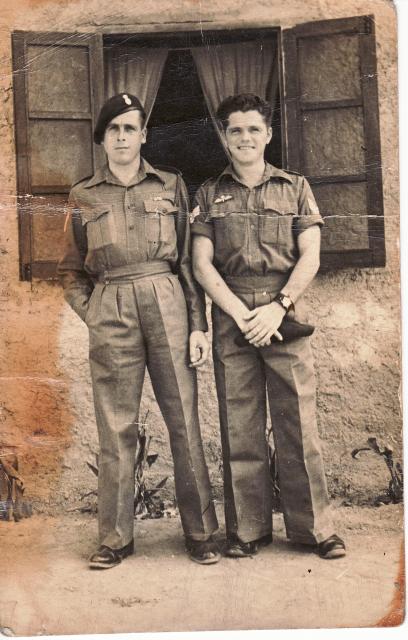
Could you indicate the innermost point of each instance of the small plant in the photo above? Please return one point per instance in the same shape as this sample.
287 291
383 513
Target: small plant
12 505
147 503
396 485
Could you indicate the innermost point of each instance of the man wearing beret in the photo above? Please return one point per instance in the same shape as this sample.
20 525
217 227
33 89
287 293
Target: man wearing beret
256 249
126 271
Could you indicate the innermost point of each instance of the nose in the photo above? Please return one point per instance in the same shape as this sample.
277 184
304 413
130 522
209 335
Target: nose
245 136
121 133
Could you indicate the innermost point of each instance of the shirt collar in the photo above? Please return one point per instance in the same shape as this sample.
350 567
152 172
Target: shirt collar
270 172
104 174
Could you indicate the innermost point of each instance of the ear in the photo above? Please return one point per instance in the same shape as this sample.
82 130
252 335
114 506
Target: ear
270 132
144 135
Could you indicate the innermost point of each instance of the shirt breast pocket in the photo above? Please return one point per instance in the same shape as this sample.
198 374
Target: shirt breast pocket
277 223
229 226
100 226
160 219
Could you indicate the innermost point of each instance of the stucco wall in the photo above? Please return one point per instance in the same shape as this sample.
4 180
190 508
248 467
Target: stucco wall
46 411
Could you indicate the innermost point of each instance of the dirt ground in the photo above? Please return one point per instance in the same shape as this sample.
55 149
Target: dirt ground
46 587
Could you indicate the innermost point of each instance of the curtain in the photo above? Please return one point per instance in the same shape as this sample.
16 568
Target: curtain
243 67
136 70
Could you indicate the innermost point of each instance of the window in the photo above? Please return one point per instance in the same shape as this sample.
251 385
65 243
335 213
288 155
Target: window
327 130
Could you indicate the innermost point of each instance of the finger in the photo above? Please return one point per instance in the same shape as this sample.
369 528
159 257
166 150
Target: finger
254 333
278 336
250 314
195 353
259 338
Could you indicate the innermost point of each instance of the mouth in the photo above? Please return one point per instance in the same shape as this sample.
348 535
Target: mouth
245 147
121 148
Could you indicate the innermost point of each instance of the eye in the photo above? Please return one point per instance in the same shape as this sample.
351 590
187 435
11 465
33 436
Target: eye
130 128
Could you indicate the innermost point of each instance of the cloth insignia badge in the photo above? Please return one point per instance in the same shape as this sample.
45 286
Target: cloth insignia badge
313 206
127 99
157 198
194 213
222 199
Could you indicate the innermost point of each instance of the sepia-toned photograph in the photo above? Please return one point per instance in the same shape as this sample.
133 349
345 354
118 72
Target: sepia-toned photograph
200 322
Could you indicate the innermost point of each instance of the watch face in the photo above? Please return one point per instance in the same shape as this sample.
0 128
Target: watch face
285 301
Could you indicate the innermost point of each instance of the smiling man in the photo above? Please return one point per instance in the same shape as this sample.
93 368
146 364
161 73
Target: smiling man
255 250
126 271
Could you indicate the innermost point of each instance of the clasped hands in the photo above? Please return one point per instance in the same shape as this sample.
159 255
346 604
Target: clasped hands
260 324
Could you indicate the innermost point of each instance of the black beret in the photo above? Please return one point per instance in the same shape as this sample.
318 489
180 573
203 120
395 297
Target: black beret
121 103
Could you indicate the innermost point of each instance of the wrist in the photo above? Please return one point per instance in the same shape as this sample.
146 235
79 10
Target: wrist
284 301
279 308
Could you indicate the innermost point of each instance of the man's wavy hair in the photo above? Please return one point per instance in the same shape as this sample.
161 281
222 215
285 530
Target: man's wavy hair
243 102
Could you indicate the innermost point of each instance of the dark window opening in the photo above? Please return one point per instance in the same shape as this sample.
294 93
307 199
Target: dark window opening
181 133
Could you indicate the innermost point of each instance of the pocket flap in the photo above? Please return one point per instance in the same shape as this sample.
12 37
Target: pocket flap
222 209
163 206
277 208
90 215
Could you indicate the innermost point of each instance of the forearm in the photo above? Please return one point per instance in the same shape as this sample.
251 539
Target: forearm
306 267
214 285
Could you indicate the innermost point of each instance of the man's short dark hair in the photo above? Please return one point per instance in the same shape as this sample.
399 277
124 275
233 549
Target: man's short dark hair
243 102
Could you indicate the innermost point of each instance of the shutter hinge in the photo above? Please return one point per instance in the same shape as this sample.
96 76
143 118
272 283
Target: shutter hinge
368 25
26 271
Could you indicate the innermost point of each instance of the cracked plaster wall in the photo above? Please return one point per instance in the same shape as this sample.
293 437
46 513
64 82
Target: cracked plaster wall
46 411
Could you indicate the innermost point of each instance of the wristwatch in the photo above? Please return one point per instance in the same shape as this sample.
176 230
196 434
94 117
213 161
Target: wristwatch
284 301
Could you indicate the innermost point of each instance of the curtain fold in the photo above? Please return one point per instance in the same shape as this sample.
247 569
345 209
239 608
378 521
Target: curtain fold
136 70
243 67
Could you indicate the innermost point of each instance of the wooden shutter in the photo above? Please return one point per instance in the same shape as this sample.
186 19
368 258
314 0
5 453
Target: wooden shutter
58 90
332 134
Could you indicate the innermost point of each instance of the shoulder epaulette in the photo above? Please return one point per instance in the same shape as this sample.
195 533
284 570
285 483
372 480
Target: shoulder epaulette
295 173
74 184
163 167
211 179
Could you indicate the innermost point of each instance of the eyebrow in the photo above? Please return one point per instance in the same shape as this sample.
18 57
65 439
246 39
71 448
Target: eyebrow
114 125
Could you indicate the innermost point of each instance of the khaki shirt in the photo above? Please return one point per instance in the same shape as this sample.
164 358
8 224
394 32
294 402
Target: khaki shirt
254 231
111 225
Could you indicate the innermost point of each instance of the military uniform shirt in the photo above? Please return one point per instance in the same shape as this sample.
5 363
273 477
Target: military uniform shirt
254 230
111 225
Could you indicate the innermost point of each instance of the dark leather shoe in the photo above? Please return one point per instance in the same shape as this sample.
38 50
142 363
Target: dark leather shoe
203 552
106 558
333 547
238 549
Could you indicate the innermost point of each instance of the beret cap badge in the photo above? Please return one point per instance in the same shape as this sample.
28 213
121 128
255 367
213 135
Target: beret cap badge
127 99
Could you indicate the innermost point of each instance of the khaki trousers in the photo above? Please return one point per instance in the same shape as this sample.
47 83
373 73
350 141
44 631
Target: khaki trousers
244 377
134 324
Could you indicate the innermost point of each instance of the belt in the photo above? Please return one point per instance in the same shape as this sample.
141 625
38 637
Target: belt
136 271
248 284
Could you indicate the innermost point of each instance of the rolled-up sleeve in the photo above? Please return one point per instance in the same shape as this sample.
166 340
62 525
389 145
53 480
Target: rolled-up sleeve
308 211
200 224
193 293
